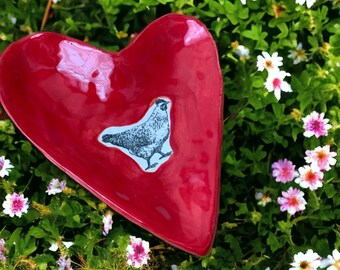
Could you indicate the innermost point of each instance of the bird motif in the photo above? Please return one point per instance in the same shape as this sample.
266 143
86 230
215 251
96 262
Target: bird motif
147 137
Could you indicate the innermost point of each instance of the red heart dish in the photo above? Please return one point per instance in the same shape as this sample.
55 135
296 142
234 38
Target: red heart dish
141 129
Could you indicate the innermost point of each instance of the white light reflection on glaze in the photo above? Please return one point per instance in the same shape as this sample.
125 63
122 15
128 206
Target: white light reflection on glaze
123 196
86 65
165 213
36 35
195 33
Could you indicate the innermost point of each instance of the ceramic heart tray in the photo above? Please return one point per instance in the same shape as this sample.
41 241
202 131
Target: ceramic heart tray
141 129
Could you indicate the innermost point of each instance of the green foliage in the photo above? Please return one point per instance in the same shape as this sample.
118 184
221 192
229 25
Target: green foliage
258 131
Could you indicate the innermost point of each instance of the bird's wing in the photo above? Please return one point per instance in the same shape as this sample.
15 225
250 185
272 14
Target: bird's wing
138 136
142 136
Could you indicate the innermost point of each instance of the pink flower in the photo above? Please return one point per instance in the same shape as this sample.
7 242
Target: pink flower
310 177
137 252
284 171
315 124
5 166
321 157
107 223
269 62
64 264
292 201
3 250
55 186
275 82
15 204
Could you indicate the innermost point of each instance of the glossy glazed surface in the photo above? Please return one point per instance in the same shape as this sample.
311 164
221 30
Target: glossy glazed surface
62 94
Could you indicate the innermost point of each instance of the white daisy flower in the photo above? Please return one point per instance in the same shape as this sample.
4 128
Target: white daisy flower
298 55
309 3
309 261
5 166
265 61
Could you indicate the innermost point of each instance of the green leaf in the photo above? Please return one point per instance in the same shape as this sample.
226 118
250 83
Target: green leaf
36 232
76 218
278 110
242 209
255 101
255 217
234 244
164 1
254 33
215 7
313 201
285 227
28 247
330 190
26 147
327 213
284 30
218 25
230 11
334 41
49 227
243 13
273 242
15 237
257 82
295 132
280 139
320 244
44 260
7 127
181 3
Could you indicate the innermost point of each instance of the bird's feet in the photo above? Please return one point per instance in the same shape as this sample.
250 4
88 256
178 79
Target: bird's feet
151 166
165 155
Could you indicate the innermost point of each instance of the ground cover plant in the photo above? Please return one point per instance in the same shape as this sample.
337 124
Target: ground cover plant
279 201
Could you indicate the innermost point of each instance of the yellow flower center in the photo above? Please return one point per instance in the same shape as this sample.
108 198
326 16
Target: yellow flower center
269 64
300 53
336 264
305 265
321 155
